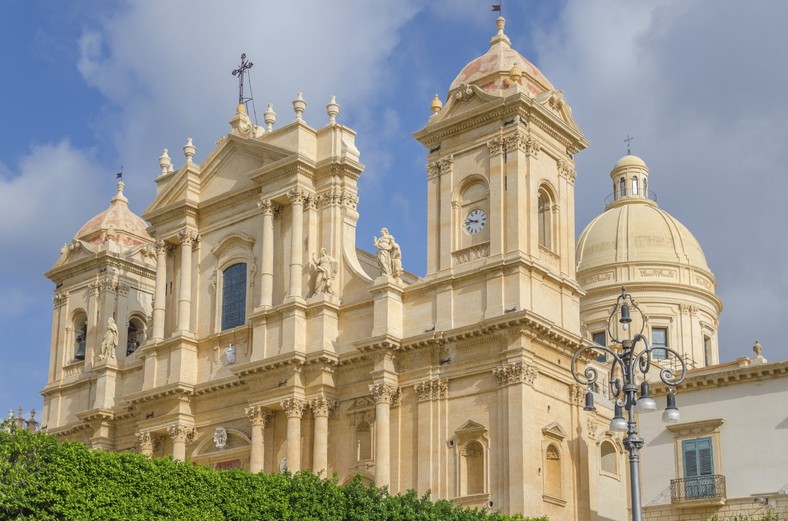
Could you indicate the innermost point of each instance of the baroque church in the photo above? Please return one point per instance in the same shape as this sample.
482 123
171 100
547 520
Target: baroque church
237 324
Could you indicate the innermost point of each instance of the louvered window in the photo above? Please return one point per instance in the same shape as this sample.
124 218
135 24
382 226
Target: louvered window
698 468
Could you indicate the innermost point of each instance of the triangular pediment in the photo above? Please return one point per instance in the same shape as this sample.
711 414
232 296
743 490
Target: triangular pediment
471 426
227 169
554 431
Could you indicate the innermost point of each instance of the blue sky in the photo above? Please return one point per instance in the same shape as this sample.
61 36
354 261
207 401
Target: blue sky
91 86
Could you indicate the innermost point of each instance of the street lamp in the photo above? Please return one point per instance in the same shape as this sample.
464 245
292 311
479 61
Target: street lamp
623 380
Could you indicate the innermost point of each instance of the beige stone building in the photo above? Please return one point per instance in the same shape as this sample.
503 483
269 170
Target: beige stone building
245 327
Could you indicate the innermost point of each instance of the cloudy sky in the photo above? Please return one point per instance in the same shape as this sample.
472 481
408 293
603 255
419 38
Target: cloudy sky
91 86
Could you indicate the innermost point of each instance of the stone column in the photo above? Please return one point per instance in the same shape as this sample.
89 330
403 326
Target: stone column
383 395
145 443
297 199
159 295
294 408
188 239
321 408
267 255
181 436
260 417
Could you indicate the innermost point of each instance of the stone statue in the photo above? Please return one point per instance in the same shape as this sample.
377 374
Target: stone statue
757 349
110 341
389 254
326 269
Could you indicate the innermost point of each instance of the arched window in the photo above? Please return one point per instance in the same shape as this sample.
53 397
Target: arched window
608 456
545 219
234 296
135 335
80 335
473 471
363 442
553 471
622 187
635 185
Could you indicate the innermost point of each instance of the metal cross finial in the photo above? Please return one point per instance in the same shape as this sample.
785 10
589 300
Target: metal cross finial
628 140
245 66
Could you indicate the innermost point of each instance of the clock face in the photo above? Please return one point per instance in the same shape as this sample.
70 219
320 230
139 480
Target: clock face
475 221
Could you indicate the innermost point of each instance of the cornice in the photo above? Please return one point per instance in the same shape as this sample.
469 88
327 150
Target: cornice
95 262
707 377
228 200
295 360
176 389
172 212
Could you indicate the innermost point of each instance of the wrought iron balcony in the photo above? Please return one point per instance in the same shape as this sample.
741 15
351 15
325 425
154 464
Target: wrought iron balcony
710 488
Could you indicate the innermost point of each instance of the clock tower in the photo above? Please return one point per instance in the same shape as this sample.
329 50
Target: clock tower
501 186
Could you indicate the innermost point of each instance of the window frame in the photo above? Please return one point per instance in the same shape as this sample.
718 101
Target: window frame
658 348
243 273
709 428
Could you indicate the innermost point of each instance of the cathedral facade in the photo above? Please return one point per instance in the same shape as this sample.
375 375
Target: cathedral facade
244 327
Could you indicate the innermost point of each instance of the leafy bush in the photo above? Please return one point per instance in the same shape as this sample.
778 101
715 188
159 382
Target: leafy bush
45 480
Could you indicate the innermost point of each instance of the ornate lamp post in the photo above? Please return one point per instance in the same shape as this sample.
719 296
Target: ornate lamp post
626 363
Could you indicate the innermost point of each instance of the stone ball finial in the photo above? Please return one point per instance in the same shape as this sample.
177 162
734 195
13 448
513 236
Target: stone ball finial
165 162
436 104
188 150
501 23
269 116
299 105
332 109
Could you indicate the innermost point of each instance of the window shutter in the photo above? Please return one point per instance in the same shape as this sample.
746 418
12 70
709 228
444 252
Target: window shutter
690 458
705 463
698 460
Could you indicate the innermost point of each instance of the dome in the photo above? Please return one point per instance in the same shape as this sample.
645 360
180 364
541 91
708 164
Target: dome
636 245
501 67
117 224
629 161
638 232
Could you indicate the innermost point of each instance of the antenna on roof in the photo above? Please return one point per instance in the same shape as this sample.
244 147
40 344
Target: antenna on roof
242 70
628 140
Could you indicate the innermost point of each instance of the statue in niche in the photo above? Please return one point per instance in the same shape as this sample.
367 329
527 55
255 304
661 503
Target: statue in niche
326 269
389 254
110 341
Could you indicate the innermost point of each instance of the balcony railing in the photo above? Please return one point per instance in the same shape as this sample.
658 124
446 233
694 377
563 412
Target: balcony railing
710 487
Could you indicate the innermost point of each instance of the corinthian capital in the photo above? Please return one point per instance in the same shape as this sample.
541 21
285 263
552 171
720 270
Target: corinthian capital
188 237
293 407
182 433
259 415
297 196
266 206
321 406
384 393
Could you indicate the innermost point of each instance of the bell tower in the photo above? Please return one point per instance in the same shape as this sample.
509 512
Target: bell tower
500 176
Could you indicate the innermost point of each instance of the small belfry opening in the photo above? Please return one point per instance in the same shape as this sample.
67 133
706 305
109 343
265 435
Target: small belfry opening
135 335
545 218
80 335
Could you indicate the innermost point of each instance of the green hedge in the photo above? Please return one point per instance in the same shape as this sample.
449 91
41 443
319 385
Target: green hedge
43 479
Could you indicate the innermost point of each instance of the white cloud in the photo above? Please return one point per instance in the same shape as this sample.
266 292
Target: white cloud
166 68
45 200
698 84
